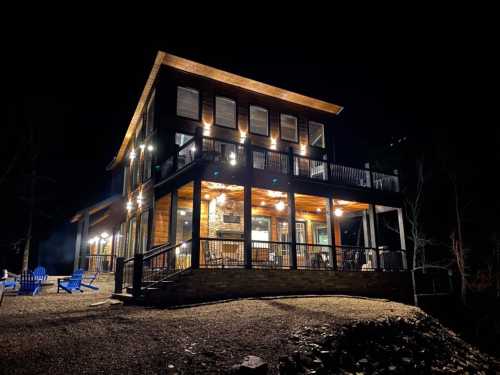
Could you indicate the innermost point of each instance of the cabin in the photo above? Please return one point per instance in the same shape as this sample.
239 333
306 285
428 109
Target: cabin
224 186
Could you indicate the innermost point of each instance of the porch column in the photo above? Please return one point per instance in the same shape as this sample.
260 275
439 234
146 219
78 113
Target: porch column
78 244
247 204
195 243
172 235
84 245
402 237
291 229
373 234
330 223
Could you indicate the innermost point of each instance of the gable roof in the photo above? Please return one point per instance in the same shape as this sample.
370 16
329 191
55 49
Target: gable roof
189 66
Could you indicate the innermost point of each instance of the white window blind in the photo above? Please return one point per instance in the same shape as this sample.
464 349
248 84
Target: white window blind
316 134
188 103
225 112
259 120
288 127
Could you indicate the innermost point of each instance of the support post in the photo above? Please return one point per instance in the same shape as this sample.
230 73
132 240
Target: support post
247 204
195 245
290 162
373 232
402 238
331 233
119 274
198 141
78 245
172 236
396 173
369 175
84 246
137 278
291 229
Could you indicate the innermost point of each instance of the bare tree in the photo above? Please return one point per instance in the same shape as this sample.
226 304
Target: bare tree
417 236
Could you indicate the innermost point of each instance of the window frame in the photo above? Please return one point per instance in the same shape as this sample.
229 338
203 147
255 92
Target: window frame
235 112
250 121
177 103
280 131
150 106
309 134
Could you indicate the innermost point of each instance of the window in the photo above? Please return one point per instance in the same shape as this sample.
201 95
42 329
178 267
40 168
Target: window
150 115
261 228
181 139
125 179
188 103
225 112
162 220
316 134
146 174
288 127
259 120
131 237
143 245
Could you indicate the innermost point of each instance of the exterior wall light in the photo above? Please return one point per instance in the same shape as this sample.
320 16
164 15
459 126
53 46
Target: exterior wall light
132 155
243 136
338 212
232 158
182 213
193 148
129 206
104 234
280 206
303 150
139 200
150 148
273 143
142 147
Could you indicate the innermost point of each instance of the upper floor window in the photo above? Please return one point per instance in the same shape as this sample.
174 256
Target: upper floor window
259 120
288 128
181 139
188 103
150 115
316 134
225 112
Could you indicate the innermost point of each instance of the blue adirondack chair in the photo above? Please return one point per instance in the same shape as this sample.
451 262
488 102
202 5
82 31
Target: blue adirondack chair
40 273
87 281
29 284
70 285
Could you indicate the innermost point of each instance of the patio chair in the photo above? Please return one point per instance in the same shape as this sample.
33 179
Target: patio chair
29 284
91 279
211 260
69 285
40 273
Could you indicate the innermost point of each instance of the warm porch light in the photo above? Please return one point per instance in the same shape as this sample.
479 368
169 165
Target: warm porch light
280 206
302 150
243 136
338 212
193 148
150 148
129 206
104 234
318 209
206 128
273 143
132 155
142 147
182 213
262 203
139 199
232 158
207 196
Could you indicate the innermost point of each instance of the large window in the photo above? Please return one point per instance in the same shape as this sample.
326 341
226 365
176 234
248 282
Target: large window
161 233
143 244
316 134
259 120
270 213
184 214
288 128
188 103
131 237
225 112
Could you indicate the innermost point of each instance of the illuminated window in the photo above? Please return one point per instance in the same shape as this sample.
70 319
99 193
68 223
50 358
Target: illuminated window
225 112
259 120
288 128
188 103
316 134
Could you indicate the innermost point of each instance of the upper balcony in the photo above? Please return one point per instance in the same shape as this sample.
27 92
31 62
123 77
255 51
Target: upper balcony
241 155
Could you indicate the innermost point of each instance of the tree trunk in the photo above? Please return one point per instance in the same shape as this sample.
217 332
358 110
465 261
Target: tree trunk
27 244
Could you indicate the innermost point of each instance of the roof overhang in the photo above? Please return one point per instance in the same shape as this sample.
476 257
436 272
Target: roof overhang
95 208
215 74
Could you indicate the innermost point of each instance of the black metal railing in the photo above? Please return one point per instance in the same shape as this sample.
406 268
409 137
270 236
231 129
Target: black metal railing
221 253
392 260
271 254
310 168
186 154
226 152
342 175
310 256
99 263
127 273
165 261
353 258
268 160
385 181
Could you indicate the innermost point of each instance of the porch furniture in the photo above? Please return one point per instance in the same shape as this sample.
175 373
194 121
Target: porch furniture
29 284
91 279
211 258
40 273
69 285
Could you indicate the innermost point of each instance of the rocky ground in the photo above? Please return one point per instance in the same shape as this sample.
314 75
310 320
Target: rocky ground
86 333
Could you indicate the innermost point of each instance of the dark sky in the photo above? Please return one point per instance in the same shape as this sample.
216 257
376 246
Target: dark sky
79 84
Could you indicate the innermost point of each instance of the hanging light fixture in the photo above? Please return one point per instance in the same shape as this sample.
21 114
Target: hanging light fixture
104 234
338 212
280 206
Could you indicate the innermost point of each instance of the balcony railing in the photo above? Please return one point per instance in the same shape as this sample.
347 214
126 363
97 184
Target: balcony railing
353 258
270 254
311 256
99 263
221 253
234 154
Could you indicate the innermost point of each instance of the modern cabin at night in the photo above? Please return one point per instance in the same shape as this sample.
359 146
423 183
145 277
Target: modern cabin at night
228 187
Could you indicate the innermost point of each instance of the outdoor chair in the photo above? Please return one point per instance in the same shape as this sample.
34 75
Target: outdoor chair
88 281
29 284
40 273
211 260
70 285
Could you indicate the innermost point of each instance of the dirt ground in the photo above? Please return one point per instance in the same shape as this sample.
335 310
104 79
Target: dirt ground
62 333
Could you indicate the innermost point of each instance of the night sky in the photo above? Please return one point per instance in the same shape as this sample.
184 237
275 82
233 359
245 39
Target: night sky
79 88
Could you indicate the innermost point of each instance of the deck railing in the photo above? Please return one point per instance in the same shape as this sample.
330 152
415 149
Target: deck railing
353 258
271 254
310 256
222 253
99 263
234 154
166 260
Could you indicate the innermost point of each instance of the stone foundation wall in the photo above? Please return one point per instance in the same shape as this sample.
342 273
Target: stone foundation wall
212 284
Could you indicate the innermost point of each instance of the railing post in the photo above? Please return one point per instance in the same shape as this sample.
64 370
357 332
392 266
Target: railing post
369 175
331 226
373 232
247 204
119 274
195 245
291 168
198 141
291 229
137 278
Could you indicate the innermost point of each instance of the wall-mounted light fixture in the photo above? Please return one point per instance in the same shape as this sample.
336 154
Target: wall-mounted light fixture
129 206
274 143
150 148
280 206
303 150
132 155
338 212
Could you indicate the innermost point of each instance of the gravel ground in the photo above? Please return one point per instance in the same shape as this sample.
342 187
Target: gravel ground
62 333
